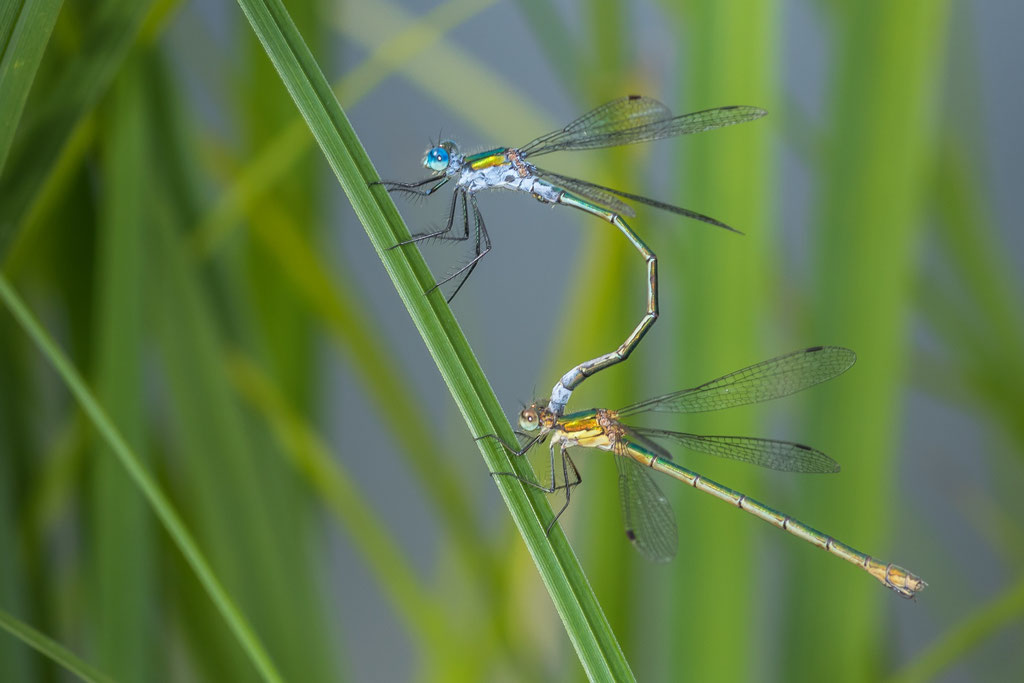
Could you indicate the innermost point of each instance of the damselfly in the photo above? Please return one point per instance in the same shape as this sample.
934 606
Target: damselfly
649 520
623 121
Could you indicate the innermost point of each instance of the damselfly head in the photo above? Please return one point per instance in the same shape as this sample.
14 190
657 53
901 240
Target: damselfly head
535 416
529 417
437 158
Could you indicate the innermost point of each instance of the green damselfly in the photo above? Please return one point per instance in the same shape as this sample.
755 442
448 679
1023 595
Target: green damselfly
649 521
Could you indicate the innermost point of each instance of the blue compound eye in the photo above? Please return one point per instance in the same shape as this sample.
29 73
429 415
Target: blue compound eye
437 159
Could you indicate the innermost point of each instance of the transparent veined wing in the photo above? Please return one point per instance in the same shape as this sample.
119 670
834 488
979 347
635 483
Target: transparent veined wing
598 194
764 381
636 436
623 113
609 197
784 456
646 513
635 119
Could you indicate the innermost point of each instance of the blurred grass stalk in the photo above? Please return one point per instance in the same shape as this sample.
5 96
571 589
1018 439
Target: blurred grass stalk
719 321
50 649
25 30
106 37
143 480
122 584
880 137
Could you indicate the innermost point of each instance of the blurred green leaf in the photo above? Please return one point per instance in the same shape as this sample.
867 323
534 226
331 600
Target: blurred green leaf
243 501
122 584
25 27
52 649
114 26
352 328
869 222
731 57
157 499
423 615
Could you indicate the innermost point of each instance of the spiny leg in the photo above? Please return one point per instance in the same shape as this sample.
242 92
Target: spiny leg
442 233
464 237
518 451
567 464
561 392
554 485
551 488
568 486
482 239
412 188
514 450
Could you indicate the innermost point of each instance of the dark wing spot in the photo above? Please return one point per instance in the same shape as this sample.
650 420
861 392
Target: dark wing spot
815 348
629 532
806 448
510 177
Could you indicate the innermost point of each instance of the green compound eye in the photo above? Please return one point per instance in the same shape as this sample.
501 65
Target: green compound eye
528 420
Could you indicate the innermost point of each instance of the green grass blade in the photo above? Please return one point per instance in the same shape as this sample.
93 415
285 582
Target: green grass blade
584 621
157 499
122 584
52 649
114 26
39 218
310 456
25 29
870 216
356 333
15 573
227 492
733 58
275 314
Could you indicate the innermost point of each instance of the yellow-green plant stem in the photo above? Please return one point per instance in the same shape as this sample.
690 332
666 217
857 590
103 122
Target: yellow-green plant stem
158 501
52 649
353 331
21 50
310 456
718 319
869 219
424 614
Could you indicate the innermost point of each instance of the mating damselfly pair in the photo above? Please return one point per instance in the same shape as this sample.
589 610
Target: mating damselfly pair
649 520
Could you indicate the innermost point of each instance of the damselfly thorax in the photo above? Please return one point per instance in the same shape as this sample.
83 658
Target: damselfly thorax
504 169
